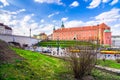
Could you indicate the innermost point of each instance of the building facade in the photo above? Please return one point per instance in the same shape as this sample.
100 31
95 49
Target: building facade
41 36
4 29
116 41
50 37
95 33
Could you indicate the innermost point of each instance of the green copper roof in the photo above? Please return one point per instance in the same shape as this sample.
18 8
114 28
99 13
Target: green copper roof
107 30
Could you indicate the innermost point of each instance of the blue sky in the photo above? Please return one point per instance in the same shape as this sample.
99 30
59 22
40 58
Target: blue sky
43 15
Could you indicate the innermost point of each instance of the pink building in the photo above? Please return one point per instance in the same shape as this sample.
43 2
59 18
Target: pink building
100 33
107 37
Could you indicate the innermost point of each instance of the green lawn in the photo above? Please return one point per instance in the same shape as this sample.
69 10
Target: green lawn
35 67
63 43
109 63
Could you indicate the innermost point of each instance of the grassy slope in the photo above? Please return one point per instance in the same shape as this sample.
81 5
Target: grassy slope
35 67
41 67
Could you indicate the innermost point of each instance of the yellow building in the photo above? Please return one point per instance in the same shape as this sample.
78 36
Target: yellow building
41 36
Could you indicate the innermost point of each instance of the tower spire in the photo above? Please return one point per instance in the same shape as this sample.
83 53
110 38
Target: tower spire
62 26
54 28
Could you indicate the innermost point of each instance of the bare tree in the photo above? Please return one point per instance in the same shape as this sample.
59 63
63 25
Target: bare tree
82 60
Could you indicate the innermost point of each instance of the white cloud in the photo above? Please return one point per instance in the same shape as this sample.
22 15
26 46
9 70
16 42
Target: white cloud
12 13
94 4
79 23
19 25
54 21
17 12
21 10
5 18
117 25
49 16
49 1
113 20
42 20
74 4
26 18
22 25
105 1
115 31
74 23
114 15
64 19
4 2
114 2
46 28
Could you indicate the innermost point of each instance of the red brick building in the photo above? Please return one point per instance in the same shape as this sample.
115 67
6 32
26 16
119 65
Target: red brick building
95 33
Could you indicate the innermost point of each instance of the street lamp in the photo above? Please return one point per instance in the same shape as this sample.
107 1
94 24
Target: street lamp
58 46
30 32
113 43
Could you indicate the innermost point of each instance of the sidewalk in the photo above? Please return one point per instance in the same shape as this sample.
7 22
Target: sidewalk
107 69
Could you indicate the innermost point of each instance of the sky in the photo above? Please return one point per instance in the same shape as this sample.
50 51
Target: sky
43 15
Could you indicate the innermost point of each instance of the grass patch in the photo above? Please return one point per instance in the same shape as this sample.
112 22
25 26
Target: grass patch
100 75
63 43
35 67
109 63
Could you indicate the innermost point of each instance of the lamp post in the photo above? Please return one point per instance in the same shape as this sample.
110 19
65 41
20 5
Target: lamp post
58 46
109 41
113 43
98 43
30 32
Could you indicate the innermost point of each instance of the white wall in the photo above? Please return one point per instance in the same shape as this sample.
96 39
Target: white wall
2 30
7 31
20 39
116 41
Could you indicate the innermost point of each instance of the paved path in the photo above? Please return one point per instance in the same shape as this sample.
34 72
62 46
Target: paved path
108 69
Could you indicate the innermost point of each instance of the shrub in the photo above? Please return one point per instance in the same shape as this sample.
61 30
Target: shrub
118 60
82 62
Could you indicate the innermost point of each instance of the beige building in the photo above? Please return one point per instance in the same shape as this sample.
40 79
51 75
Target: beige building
41 36
4 29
